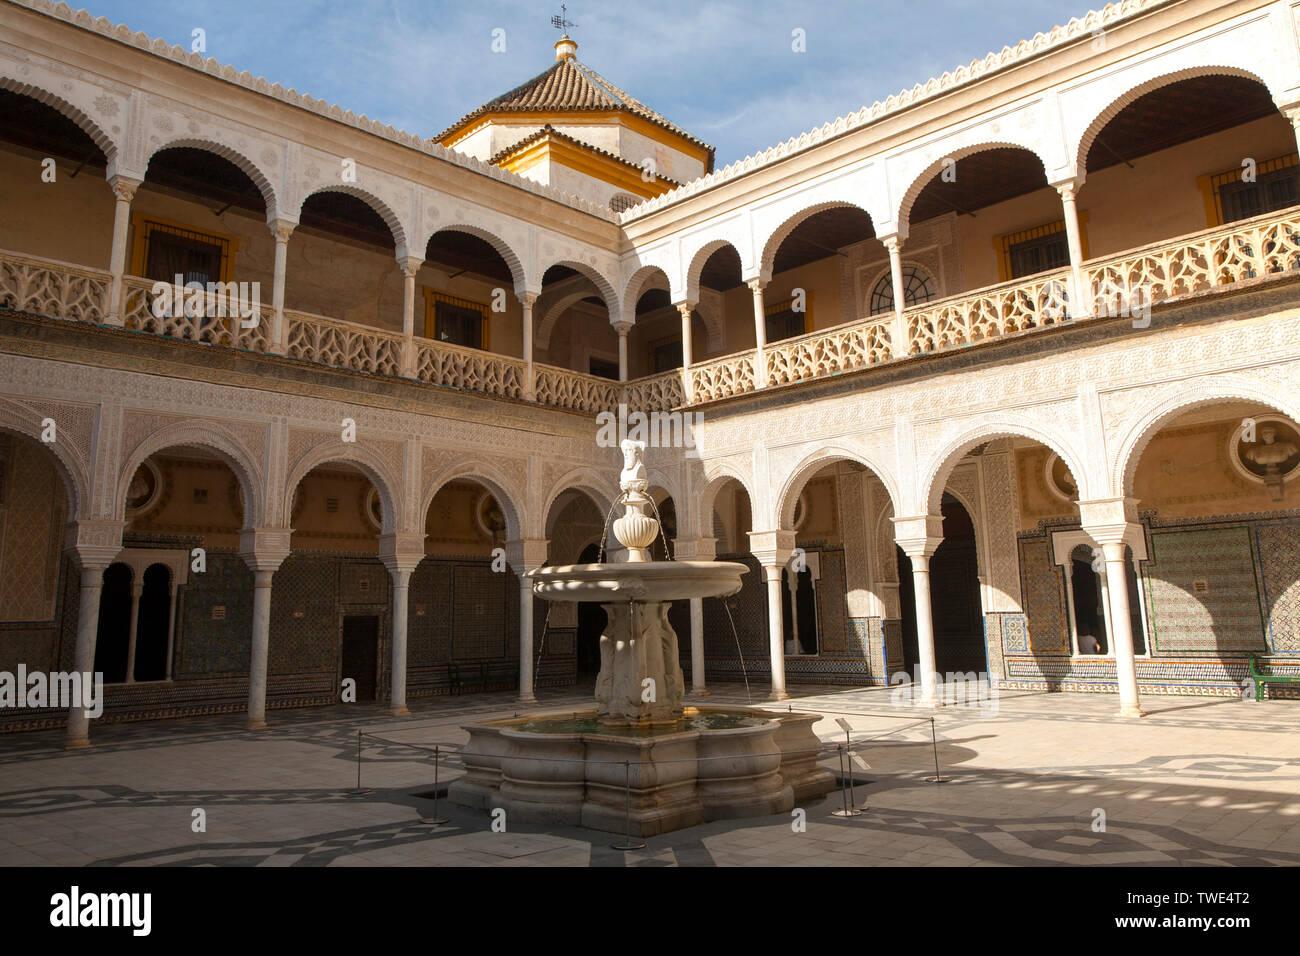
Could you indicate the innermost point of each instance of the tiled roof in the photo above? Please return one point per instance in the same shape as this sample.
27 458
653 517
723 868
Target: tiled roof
569 86
549 130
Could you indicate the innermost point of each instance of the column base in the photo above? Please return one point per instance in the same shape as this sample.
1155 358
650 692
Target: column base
778 695
701 692
400 711
527 699
253 723
76 743
1130 710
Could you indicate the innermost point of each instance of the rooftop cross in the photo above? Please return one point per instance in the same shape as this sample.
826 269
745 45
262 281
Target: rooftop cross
561 22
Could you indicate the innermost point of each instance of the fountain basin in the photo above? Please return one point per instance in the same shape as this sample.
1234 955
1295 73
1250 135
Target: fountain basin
568 769
646 582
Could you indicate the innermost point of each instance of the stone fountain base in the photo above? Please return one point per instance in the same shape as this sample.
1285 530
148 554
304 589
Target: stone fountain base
678 779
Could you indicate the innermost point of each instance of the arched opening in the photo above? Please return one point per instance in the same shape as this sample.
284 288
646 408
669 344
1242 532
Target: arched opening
32 132
151 648
804 292
113 637
580 336
1188 153
1219 486
465 295
735 627
591 625
571 650
954 584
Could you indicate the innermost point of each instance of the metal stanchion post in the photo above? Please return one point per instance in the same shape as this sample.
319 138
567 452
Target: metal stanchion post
846 773
934 743
359 791
434 820
628 844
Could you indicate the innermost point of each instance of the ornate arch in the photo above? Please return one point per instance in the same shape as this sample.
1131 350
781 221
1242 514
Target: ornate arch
903 214
935 477
718 476
212 437
1179 398
370 199
793 486
782 232
254 171
516 265
87 125
1134 93
586 480
359 457
72 472
603 285
506 494
696 266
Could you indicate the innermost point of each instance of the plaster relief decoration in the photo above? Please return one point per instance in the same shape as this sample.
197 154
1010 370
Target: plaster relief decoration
1271 458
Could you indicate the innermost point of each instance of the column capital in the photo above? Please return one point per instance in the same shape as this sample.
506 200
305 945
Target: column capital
401 550
264 549
527 554
94 543
918 535
527 298
124 187
772 548
1110 520
281 229
1069 188
622 327
757 285
686 307
410 265
893 241
695 549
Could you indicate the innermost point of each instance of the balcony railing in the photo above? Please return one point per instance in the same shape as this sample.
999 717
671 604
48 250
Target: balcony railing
1191 265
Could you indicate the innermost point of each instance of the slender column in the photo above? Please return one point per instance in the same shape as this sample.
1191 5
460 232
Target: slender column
137 587
622 328
261 645
124 190
1103 587
925 630
171 629
775 630
1072 630
528 300
1080 302
92 586
760 333
900 341
792 585
410 265
526 695
401 594
685 308
1122 631
282 229
697 648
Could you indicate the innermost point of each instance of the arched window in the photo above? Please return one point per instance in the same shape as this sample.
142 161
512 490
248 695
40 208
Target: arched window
918 287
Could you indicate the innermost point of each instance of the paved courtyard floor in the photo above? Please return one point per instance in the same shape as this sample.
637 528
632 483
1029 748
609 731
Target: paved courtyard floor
1196 782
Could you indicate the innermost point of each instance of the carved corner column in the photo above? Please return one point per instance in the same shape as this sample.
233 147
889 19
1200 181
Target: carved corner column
401 554
92 544
264 550
919 537
760 333
124 189
773 550
410 266
1112 523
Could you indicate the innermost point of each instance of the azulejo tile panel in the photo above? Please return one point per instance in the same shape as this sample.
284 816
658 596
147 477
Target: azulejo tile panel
1202 590
1278 546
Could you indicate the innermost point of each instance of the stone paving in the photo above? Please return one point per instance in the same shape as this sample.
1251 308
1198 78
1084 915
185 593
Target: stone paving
1196 782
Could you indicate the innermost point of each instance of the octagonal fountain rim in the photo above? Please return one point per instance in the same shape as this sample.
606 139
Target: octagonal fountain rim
761 721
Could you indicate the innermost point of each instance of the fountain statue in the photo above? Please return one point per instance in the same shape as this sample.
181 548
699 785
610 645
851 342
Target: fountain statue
675 766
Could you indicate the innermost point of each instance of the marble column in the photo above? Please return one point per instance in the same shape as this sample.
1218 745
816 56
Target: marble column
1122 631
760 333
900 344
401 593
526 693
124 191
92 586
930 697
528 300
171 628
698 687
410 266
137 588
622 328
281 229
264 550
1081 302
775 629
686 308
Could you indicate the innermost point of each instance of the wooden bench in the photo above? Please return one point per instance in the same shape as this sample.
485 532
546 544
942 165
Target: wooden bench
1260 678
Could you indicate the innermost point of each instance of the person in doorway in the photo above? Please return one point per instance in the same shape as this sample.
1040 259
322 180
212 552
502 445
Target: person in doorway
1088 644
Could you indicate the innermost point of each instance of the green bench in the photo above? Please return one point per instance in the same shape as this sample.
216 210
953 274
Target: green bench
1260 678
466 676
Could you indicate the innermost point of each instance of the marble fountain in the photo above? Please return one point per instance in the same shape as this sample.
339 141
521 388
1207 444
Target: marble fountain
639 753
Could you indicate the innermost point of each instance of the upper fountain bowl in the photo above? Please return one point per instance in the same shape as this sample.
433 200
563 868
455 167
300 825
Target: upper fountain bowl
640 581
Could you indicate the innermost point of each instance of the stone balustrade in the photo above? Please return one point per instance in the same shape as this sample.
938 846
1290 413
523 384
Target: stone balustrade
1124 284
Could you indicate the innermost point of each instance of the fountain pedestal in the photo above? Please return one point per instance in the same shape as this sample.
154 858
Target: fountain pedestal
640 679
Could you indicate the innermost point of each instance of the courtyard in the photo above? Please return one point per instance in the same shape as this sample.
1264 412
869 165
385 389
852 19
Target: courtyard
1051 779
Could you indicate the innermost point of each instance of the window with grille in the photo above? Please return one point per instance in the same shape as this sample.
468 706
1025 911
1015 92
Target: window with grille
170 251
455 321
1036 250
1276 186
918 288
783 322
667 356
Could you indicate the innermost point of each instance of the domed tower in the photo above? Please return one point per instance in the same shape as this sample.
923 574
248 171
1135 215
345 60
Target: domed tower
571 128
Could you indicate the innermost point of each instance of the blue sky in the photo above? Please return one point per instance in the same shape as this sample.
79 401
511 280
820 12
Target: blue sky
722 69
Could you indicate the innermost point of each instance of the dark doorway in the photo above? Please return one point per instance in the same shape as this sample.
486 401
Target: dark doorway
591 624
114 630
803 612
955 595
361 653
1089 617
907 605
151 633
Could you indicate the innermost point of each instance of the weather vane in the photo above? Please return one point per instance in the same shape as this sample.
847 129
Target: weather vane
562 23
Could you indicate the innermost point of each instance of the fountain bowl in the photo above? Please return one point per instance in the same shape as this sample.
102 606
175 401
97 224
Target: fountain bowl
645 582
